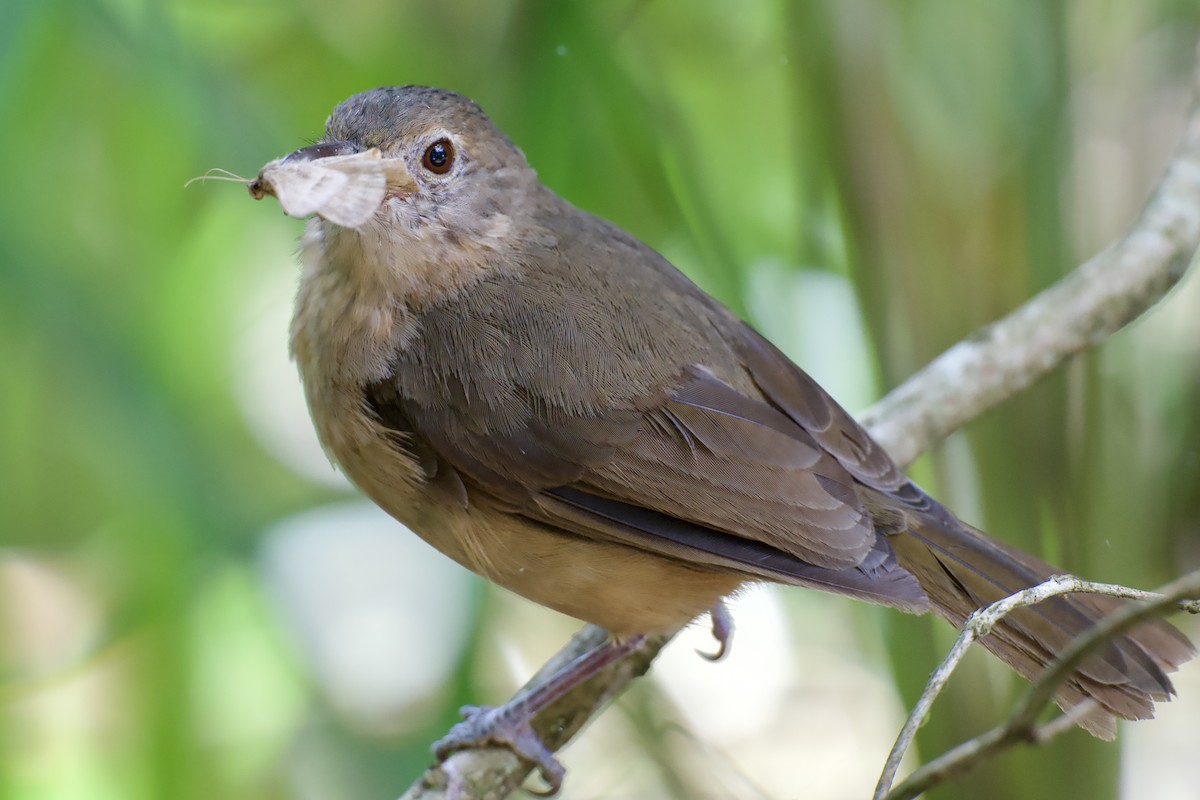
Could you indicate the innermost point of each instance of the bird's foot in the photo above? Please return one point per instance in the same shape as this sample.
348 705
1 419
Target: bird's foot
484 726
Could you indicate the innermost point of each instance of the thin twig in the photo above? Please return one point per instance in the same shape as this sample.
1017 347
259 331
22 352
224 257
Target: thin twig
979 624
1020 725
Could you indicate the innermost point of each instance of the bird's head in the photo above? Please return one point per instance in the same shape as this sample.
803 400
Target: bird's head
450 172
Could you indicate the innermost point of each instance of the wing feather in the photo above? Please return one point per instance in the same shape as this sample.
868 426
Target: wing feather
560 404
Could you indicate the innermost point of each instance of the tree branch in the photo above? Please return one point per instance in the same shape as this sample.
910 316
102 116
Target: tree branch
1097 299
1101 296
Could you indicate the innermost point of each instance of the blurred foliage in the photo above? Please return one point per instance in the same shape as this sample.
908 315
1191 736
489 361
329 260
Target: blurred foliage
947 159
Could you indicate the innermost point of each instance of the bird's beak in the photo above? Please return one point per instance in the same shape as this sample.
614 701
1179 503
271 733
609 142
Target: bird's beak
323 150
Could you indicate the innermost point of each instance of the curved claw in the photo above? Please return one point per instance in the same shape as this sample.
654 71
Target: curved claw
722 631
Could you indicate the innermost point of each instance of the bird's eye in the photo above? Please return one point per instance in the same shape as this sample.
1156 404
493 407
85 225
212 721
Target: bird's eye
439 157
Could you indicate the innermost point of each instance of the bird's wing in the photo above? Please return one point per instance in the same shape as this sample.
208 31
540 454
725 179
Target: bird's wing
689 466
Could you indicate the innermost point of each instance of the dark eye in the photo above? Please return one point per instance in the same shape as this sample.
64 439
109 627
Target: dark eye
439 157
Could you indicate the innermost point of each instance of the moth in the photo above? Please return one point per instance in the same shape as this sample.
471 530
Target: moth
344 189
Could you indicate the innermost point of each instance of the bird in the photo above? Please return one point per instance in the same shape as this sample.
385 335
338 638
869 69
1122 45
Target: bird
549 402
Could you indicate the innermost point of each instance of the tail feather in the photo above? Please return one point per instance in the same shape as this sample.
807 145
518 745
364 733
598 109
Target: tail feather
961 569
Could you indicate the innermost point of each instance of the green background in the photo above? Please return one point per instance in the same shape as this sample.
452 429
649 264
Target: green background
888 175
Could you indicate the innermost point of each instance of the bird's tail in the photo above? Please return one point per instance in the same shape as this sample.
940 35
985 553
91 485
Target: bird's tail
961 569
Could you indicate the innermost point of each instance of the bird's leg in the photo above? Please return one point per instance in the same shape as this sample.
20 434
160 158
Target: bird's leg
722 631
510 725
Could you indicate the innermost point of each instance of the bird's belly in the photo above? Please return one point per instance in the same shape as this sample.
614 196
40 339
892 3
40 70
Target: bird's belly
624 590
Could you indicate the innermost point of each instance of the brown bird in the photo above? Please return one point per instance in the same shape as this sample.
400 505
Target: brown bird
550 403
